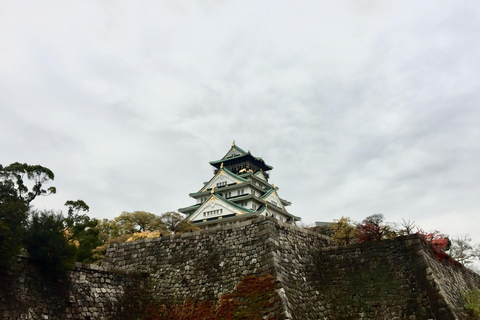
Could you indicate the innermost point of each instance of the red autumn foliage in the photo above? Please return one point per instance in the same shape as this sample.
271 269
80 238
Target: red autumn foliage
436 239
369 232
439 243
253 298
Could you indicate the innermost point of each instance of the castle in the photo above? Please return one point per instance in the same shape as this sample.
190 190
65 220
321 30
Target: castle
239 189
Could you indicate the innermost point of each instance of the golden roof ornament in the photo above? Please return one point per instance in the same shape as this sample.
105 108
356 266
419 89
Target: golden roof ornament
221 165
233 144
213 190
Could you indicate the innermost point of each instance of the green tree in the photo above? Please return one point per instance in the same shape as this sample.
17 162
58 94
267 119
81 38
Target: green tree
82 231
109 229
47 243
13 181
15 198
344 231
138 221
13 218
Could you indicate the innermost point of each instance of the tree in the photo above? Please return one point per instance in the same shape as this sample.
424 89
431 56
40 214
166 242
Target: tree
408 227
131 226
138 221
109 229
343 231
13 181
15 198
436 239
48 244
462 250
13 218
373 229
176 223
82 231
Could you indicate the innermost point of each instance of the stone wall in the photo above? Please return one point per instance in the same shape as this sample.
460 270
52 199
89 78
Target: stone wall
402 278
87 292
391 279
207 263
368 281
448 279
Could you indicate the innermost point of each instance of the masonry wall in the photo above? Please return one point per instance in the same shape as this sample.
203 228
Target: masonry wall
208 263
393 279
448 279
369 281
87 292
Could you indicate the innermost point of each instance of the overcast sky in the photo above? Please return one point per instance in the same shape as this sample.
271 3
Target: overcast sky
361 107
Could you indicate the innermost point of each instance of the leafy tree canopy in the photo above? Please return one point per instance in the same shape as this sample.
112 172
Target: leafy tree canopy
14 181
15 198
374 229
82 230
176 223
344 231
47 242
138 221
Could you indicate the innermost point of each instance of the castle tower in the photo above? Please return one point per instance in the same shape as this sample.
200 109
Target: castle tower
239 189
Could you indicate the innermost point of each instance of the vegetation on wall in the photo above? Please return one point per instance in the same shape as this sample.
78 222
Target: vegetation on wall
472 298
374 228
131 226
254 299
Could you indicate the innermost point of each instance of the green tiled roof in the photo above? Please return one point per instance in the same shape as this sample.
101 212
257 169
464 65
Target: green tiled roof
233 204
190 208
242 154
236 148
226 171
285 212
242 216
269 192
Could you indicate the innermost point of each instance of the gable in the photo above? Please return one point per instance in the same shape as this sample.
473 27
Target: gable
216 207
274 199
260 175
223 177
234 152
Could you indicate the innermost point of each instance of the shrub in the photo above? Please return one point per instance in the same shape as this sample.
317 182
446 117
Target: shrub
472 298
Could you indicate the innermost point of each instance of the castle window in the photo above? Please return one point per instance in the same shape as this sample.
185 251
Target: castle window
212 212
221 184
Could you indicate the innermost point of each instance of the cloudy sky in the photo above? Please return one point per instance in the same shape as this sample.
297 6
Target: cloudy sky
361 107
